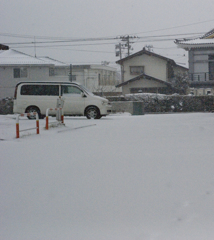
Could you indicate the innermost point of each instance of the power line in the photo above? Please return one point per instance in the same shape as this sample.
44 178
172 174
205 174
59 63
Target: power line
89 39
56 39
186 25
94 39
71 45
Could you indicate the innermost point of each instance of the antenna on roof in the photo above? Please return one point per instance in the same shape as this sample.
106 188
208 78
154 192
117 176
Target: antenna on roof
35 45
4 47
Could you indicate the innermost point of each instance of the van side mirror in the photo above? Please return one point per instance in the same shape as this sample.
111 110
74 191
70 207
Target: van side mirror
83 95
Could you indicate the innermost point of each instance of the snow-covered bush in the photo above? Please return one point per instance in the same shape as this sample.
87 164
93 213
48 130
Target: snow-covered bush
170 103
6 106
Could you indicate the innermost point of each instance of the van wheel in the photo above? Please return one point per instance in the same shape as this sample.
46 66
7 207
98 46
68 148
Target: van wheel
33 109
92 113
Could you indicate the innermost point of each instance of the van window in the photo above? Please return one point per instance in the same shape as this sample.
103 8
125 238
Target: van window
41 90
70 90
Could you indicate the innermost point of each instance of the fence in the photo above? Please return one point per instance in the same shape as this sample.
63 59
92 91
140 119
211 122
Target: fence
27 115
59 117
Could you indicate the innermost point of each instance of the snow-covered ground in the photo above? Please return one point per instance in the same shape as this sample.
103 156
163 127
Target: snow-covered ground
121 178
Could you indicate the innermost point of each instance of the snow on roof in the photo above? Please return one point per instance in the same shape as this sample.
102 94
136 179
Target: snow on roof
13 57
207 40
144 51
53 61
196 43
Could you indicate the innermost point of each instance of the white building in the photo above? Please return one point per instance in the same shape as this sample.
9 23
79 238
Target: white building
201 62
17 67
99 79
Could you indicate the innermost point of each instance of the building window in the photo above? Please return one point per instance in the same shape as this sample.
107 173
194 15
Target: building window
20 72
99 79
136 70
51 72
211 67
107 78
74 77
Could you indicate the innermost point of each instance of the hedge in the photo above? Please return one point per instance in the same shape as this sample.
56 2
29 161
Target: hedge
170 103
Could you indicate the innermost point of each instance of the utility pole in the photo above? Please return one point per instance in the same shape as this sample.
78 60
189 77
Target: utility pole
119 47
118 51
70 73
127 45
126 39
35 45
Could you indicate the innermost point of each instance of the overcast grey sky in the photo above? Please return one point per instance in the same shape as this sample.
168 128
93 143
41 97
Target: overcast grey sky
45 20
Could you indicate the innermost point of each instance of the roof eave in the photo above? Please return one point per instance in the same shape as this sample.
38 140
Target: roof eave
143 76
25 65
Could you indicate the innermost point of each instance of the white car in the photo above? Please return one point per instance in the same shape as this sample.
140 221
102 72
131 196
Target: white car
78 101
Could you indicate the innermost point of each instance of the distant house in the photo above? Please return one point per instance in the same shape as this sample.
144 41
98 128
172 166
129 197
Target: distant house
16 67
99 79
149 72
201 62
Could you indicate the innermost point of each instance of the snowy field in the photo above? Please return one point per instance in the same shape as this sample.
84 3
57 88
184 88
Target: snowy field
123 177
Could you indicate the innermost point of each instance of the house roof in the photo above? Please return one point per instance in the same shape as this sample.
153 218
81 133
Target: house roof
195 43
144 51
207 40
13 57
209 34
53 61
144 76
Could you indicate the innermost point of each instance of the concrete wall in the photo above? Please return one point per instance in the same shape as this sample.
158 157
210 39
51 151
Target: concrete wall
132 107
201 91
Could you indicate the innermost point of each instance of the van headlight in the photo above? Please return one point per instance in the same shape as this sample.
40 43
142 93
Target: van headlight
105 103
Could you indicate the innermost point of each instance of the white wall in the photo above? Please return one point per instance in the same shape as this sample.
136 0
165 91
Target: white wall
35 73
93 76
153 66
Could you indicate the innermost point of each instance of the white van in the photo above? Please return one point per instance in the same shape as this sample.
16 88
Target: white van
78 101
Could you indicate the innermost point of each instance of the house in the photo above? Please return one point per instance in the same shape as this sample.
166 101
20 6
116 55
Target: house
16 67
149 72
201 62
99 79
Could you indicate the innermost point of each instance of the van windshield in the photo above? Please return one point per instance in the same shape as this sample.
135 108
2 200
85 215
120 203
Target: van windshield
86 90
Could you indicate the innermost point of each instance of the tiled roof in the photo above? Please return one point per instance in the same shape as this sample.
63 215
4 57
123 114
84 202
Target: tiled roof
208 35
207 40
144 76
144 51
199 42
13 57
